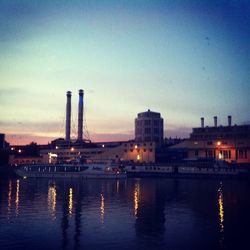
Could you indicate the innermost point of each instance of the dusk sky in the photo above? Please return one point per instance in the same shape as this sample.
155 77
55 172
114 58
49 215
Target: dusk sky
184 59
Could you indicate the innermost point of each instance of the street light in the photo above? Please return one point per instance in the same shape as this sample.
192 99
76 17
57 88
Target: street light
220 154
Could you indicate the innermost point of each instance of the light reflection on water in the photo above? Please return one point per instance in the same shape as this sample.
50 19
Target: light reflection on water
70 201
221 214
102 208
126 214
17 196
9 197
52 201
136 198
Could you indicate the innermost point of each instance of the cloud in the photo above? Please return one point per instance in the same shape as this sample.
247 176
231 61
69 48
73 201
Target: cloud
48 128
27 138
11 91
23 139
102 137
180 131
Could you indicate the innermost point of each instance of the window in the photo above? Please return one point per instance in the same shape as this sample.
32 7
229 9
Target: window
241 154
156 130
156 138
138 131
156 122
210 154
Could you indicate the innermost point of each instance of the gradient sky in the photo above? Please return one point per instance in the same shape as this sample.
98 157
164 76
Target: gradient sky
184 59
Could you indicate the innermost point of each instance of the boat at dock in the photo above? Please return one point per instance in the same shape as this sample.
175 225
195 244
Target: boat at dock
84 171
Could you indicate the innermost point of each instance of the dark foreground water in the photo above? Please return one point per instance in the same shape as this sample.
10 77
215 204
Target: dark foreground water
124 214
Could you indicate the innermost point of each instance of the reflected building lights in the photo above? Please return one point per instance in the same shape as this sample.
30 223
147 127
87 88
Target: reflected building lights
52 201
9 196
136 198
17 196
102 208
70 201
221 213
221 209
117 186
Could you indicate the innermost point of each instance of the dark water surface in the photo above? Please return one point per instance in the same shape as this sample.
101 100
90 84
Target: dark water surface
124 214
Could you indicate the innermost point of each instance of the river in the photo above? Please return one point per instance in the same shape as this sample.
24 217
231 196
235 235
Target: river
124 214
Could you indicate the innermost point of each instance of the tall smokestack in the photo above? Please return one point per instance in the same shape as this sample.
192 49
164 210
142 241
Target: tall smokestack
68 116
202 122
215 121
80 116
229 120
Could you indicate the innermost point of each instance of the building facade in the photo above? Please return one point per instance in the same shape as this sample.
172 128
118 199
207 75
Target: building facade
149 126
229 143
125 151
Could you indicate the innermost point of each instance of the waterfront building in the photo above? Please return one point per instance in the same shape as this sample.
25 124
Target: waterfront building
115 151
149 127
229 143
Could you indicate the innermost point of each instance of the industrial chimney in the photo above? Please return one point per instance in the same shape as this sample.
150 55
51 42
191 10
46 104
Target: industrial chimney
215 121
229 120
80 116
202 122
68 116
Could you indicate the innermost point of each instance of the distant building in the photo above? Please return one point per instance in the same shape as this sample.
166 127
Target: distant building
229 143
116 151
149 127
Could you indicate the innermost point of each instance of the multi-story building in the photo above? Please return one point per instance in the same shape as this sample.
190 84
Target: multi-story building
115 151
229 143
124 151
149 127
